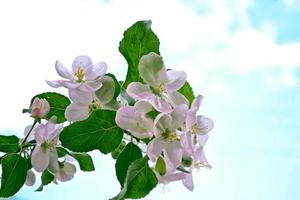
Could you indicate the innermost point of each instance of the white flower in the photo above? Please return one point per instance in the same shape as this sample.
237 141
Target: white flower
84 75
161 85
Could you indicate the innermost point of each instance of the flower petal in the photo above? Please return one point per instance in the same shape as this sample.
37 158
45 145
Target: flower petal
205 125
66 173
160 103
63 71
188 182
91 86
176 98
30 178
95 71
40 133
82 61
40 158
54 84
139 91
69 84
196 104
143 106
80 97
53 163
155 148
125 118
107 91
152 69
170 177
161 123
179 115
76 112
173 155
187 143
176 80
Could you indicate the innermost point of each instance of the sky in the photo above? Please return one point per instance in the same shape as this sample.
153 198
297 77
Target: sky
242 56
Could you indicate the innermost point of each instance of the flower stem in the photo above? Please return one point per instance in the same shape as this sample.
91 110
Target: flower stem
25 139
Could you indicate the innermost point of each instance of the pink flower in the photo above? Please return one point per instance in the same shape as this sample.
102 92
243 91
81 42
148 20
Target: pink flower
44 154
161 85
167 131
30 178
65 172
39 108
84 75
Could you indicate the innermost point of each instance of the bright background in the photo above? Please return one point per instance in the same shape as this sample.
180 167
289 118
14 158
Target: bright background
243 56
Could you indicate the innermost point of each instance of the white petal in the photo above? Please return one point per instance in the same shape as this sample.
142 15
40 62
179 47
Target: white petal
63 71
40 133
76 112
170 177
152 69
139 91
173 155
161 123
143 106
179 115
82 61
53 163
77 96
187 143
176 80
69 84
107 91
176 98
205 124
66 173
188 182
54 84
196 104
155 148
160 104
95 71
26 131
91 86
40 158
125 118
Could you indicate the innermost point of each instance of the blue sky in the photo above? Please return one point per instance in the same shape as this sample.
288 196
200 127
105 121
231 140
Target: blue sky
243 56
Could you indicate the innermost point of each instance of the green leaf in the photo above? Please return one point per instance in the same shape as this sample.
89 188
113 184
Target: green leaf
99 131
117 85
46 178
187 91
61 152
138 40
14 172
58 104
160 166
9 144
139 182
115 154
84 160
131 153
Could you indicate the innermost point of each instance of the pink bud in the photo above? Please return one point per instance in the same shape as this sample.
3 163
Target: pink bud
39 108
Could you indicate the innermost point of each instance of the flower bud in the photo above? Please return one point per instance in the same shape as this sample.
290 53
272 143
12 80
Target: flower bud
39 108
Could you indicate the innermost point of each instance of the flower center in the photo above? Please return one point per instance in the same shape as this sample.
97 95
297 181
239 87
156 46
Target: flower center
194 129
170 136
79 74
160 89
96 104
48 145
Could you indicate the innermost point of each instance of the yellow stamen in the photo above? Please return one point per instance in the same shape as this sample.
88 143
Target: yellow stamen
79 74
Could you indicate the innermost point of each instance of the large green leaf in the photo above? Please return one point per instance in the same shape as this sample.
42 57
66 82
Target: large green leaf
131 153
46 178
138 40
58 104
187 91
99 131
9 144
139 182
14 172
84 160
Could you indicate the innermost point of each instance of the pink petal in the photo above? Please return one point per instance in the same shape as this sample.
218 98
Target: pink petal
176 98
40 134
107 91
160 104
170 177
173 155
143 106
155 148
176 80
205 124
63 71
95 71
139 91
69 84
54 84
125 117
76 112
80 97
66 173
152 69
196 104
40 158
188 182
82 61
161 123
178 116
53 163
91 86
30 178
187 143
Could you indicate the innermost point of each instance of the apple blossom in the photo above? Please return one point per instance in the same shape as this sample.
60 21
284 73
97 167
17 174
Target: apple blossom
65 172
39 108
84 75
44 154
85 103
134 119
30 178
161 84
167 131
